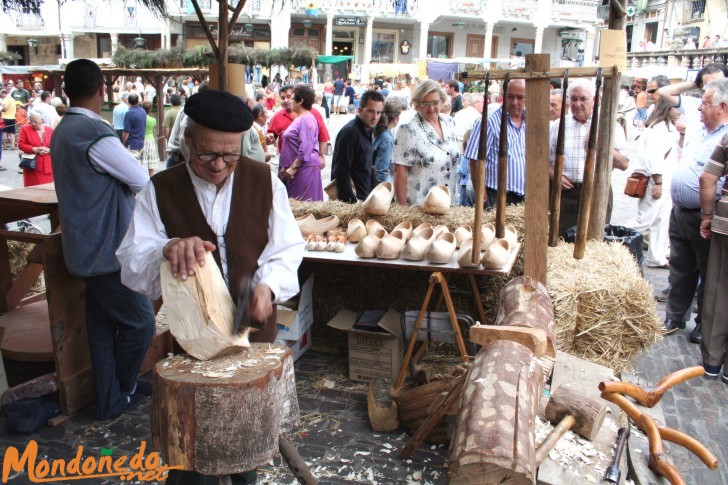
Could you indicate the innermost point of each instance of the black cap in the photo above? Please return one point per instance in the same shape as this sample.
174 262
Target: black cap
219 110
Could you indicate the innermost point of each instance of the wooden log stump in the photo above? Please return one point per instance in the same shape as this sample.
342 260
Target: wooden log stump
525 302
224 415
495 432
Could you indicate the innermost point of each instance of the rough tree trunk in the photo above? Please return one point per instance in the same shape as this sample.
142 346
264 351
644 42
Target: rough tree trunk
225 415
495 432
525 302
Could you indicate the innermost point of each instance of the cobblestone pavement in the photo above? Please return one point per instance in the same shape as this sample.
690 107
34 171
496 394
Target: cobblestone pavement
334 421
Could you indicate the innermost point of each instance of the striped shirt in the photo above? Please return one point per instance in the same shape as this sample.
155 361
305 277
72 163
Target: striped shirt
516 181
685 187
576 140
718 167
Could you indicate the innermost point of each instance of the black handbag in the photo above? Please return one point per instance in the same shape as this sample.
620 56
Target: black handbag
27 162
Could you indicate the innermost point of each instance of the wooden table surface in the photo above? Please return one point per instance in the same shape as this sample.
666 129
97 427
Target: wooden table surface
25 202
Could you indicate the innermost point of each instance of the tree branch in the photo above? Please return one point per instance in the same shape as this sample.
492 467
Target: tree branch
236 14
205 27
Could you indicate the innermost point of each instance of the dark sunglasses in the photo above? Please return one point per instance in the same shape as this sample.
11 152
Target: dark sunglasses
651 91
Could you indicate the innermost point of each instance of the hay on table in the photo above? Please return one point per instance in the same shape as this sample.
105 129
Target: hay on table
605 310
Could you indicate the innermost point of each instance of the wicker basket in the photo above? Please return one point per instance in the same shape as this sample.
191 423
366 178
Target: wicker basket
413 404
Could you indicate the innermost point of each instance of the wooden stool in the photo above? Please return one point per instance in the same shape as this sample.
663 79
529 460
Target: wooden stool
225 415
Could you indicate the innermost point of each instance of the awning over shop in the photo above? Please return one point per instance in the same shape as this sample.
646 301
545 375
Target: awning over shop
333 59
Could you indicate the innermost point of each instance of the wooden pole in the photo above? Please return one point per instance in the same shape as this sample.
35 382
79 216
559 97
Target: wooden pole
158 82
555 203
587 189
603 175
536 229
478 169
222 46
236 14
500 208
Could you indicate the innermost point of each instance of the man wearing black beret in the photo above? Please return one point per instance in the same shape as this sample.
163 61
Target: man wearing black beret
217 201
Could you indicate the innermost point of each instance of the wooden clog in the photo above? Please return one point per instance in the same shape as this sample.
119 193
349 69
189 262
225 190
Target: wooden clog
311 242
417 246
462 233
379 200
487 236
367 247
511 235
465 256
308 224
355 230
437 200
391 245
497 254
422 227
340 243
406 228
440 229
373 226
441 249
331 242
320 243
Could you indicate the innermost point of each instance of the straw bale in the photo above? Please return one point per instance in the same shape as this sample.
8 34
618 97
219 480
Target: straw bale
18 255
605 310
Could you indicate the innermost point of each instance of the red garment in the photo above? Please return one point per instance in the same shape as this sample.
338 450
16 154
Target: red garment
29 139
270 102
283 119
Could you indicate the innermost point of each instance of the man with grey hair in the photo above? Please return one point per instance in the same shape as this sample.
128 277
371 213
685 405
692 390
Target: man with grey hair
653 85
576 137
555 101
688 250
119 112
465 118
715 227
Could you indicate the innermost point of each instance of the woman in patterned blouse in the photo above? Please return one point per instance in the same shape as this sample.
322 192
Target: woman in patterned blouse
426 151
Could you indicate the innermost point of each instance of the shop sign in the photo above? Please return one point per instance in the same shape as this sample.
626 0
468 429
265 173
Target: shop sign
348 22
260 32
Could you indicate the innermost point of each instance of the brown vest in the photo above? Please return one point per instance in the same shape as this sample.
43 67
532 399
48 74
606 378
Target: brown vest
247 231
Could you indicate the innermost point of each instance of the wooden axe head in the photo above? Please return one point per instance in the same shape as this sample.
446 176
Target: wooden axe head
588 410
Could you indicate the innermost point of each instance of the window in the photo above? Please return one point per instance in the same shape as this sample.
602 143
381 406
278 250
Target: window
439 45
383 47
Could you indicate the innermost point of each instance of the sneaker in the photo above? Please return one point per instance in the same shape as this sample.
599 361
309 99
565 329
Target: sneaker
711 371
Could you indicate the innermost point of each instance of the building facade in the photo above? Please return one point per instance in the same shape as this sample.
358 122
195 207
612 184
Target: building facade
372 31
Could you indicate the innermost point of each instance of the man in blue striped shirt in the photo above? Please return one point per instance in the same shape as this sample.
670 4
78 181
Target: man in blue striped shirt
515 105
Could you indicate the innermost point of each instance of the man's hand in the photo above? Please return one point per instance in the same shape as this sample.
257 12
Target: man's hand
186 254
323 161
261 305
656 191
705 227
566 183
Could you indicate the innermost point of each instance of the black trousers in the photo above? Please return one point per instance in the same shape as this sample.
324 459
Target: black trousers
491 200
688 261
569 213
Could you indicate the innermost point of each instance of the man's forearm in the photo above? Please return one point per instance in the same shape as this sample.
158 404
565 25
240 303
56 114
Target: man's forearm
124 137
708 187
673 91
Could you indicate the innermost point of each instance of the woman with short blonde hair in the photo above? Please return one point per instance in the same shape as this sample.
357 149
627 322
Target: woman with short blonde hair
426 88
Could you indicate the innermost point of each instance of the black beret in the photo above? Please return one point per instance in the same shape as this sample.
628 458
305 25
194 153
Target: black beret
219 110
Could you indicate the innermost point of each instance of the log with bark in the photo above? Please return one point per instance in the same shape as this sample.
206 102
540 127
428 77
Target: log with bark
381 407
225 415
495 432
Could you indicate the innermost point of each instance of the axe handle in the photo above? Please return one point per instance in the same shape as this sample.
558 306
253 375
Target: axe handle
553 437
479 185
555 202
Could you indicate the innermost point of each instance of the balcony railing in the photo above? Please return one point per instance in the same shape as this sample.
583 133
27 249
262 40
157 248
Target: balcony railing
580 10
466 7
692 58
519 8
397 7
28 21
252 7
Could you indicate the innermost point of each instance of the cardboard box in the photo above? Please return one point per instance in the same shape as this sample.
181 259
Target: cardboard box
372 354
293 323
298 347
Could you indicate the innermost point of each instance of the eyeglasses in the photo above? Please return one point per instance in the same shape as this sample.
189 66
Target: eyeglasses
211 157
582 99
430 104
651 91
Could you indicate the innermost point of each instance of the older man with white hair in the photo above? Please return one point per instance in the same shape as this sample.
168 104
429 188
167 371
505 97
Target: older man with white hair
465 118
576 136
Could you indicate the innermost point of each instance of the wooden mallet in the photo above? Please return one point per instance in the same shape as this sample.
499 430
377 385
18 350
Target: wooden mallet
570 408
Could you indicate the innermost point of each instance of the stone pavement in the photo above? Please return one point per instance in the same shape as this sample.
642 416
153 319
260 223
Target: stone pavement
336 440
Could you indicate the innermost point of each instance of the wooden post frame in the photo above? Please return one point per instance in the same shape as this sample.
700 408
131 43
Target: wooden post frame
536 229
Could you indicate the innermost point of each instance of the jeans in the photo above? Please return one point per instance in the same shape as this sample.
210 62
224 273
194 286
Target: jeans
120 328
